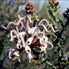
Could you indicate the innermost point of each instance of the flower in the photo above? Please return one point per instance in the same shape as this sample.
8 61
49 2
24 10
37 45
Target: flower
53 1
12 54
29 8
28 51
31 39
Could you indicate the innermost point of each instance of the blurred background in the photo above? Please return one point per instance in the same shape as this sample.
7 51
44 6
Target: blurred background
9 10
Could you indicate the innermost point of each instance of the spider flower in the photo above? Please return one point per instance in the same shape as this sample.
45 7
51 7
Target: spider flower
31 39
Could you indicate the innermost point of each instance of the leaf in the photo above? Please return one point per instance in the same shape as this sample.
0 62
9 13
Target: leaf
56 4
54 18
51 4
68 55
50 12
55 10
63 37
52 15
54 39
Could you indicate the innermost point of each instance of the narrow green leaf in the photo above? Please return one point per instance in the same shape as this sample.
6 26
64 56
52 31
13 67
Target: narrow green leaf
50 12
56 4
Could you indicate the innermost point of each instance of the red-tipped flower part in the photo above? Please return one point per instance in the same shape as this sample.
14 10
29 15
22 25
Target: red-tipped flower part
29 8
53 1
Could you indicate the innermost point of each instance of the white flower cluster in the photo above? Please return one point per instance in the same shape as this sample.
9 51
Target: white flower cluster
28 37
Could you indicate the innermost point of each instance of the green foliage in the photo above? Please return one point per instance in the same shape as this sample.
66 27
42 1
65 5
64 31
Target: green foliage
56 4
53 12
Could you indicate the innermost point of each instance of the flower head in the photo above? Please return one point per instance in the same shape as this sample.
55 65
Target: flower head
29 8
31 39
53 1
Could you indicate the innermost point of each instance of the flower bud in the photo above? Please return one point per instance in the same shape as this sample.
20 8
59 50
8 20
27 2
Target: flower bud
53 1
29 8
